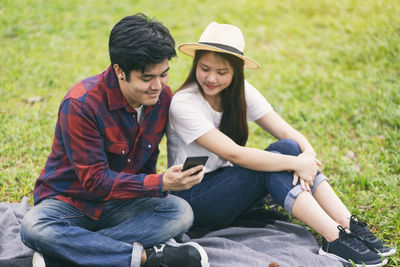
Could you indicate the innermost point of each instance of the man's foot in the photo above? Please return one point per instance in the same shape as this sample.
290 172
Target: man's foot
349 248
177 255
370 240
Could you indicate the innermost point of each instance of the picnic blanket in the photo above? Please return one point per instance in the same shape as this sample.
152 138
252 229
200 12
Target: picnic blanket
258 243
12 251
283 243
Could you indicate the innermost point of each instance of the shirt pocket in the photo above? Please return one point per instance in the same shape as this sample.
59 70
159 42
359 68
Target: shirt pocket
150 142
148 146
116 155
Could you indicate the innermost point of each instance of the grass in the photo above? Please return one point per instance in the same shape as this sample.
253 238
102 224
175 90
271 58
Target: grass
330 68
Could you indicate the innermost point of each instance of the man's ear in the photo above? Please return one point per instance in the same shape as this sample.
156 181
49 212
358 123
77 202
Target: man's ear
119 72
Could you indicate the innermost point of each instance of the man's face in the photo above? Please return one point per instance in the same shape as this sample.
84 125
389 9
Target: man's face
145 88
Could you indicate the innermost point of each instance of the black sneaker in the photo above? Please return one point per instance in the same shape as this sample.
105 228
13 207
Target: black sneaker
349 248
370 240
174 254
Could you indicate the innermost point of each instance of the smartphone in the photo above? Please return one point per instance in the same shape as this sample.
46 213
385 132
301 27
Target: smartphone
191 162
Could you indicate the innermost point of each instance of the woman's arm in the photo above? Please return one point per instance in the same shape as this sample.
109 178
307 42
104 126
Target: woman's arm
279 128
256 159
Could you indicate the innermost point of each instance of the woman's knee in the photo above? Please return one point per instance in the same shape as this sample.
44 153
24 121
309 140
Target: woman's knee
285 146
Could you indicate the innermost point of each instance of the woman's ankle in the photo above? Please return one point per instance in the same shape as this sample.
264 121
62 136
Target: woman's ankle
331 235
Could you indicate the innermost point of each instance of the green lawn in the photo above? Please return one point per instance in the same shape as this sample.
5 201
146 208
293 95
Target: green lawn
330 68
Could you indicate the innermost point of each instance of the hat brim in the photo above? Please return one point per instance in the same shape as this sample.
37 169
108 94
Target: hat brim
190 50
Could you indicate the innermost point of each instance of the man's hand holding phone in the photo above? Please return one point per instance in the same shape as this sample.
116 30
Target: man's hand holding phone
182 177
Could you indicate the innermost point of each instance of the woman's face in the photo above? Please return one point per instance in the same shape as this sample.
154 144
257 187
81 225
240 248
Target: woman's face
214 73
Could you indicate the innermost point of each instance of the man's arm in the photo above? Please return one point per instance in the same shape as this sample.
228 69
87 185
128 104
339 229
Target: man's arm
84 145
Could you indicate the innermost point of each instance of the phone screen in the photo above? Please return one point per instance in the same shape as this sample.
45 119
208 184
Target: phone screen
191 162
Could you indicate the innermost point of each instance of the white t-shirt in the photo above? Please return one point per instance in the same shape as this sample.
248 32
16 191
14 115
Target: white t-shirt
139 113
191 116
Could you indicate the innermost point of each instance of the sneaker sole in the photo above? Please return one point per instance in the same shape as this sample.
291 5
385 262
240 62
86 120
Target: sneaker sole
336 257
204 258
38 260
388 253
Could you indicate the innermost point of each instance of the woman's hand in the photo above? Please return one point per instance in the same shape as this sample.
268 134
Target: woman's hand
309 152
176 180
306 170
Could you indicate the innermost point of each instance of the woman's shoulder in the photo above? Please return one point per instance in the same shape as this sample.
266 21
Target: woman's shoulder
251 91
191 92
248 87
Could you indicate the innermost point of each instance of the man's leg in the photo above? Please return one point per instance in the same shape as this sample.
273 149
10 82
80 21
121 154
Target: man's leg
58 229
149 221
171 217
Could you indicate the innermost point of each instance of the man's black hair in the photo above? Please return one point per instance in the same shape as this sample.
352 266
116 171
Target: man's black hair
136 42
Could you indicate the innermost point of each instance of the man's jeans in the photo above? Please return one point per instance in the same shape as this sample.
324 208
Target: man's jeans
225 193
57 229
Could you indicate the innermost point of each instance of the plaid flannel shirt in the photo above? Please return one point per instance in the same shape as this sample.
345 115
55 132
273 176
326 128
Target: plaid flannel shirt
99 151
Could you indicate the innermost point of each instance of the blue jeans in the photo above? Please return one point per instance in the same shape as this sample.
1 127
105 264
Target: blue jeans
227 192
58 229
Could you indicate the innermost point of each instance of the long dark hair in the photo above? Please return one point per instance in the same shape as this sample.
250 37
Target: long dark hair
233 100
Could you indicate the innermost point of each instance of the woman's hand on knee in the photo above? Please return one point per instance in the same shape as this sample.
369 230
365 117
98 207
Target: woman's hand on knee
306 168
309 152
304 184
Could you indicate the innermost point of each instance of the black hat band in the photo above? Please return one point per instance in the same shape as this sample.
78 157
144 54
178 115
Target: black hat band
224 47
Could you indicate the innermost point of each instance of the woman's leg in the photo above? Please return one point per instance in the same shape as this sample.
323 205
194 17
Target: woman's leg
332 205
223 195
307 209
322 211
323 194
227 192
298 202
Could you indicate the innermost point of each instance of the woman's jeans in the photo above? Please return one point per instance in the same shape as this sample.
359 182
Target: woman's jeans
57 229
225 193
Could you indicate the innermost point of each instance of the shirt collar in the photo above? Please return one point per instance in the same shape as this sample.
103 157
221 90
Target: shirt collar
115 98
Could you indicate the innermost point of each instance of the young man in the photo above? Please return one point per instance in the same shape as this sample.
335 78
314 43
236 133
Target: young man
98 200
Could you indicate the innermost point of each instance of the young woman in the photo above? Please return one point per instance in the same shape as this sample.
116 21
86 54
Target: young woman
208 117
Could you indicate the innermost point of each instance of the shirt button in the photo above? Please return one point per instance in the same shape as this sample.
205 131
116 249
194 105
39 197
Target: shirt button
129 160
149 146
123 152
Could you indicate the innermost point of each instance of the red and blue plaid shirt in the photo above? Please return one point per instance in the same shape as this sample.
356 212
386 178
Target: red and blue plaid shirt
99 151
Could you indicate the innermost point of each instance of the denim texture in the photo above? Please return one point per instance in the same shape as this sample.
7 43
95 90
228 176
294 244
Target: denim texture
58 229
227 192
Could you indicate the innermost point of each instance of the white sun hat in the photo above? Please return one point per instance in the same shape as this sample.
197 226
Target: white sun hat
224 38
